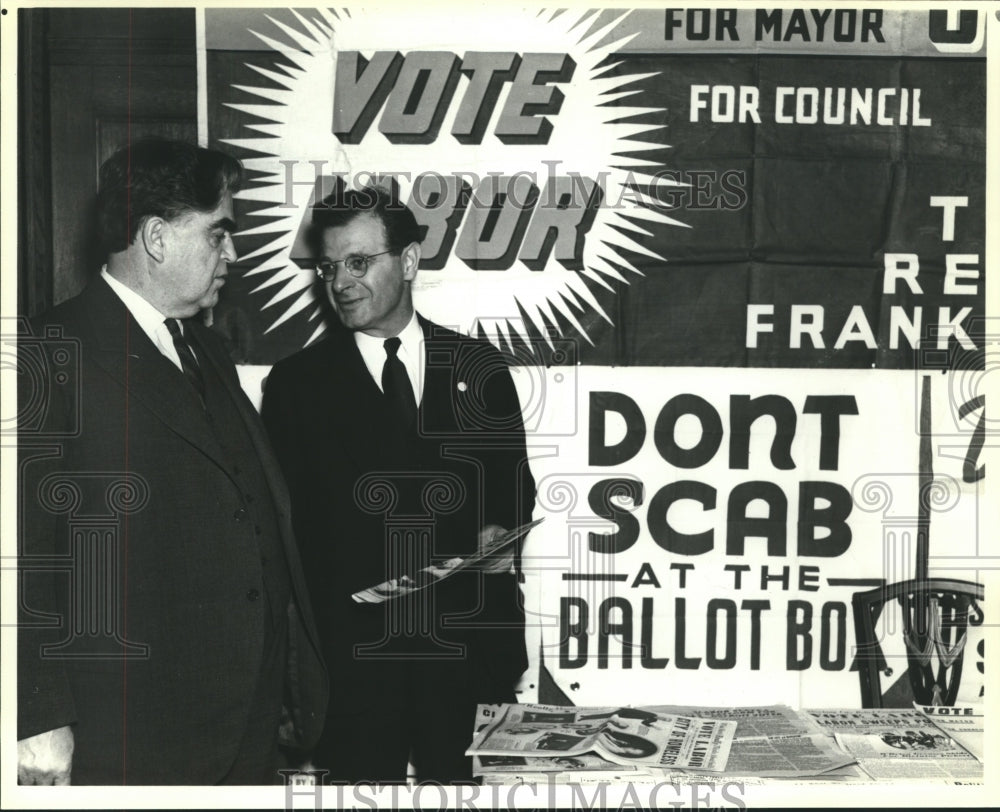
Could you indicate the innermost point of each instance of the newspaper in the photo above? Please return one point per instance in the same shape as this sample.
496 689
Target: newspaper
853 720
583 768
772 742
900 745
627 736
428 576
752 722
965 724
584 762
851 774
620 775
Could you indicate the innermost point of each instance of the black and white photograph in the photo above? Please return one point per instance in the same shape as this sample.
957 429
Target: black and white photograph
379 378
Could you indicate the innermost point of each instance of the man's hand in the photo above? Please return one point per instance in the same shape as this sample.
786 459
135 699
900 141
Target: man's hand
46 758
500 563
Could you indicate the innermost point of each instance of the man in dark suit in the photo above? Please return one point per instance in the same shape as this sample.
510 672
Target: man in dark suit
164 630
403 445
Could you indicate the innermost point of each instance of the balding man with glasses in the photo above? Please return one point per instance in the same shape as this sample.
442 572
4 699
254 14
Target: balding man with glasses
403 445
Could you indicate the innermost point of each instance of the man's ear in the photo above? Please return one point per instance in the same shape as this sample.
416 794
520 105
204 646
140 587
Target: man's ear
411 259
151 232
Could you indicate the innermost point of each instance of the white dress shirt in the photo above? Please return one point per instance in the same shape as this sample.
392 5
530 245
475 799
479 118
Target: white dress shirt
411 353
151 320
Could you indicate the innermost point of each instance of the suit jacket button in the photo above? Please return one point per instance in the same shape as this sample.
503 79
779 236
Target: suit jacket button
253 594
239 513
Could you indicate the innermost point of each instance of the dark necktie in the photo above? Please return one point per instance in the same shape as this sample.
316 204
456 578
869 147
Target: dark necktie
189 364
396 385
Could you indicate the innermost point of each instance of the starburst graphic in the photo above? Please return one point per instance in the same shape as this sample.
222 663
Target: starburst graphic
596 135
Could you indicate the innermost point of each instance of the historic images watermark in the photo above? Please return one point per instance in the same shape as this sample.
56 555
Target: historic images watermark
553 189
308 789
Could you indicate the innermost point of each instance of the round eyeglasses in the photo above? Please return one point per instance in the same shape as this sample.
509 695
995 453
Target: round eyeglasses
357 265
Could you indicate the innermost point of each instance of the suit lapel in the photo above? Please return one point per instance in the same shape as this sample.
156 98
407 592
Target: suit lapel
125 352
271 468
255 429
440 382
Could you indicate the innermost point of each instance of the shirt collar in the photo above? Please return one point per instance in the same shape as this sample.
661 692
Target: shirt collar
411 339
411 353
149 318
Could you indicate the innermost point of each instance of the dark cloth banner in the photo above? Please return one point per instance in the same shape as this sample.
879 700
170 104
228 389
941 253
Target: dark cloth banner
816 201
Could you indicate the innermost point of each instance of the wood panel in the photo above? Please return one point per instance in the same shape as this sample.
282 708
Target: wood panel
34 207
113 74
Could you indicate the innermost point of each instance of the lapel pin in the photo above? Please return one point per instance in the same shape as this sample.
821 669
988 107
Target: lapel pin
462 386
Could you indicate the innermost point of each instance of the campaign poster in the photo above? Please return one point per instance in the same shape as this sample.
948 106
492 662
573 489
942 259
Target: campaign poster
736 260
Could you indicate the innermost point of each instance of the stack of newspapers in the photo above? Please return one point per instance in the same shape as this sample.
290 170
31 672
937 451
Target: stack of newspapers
514 741
547 743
